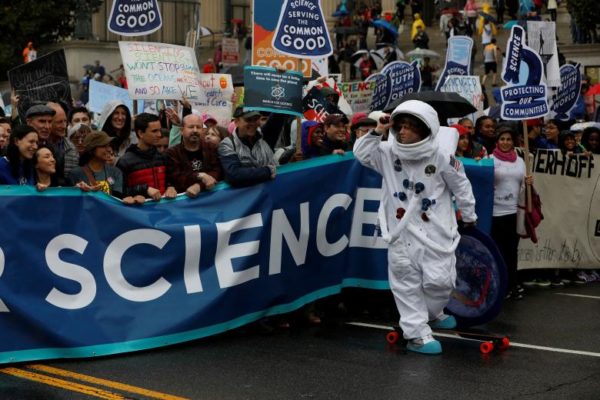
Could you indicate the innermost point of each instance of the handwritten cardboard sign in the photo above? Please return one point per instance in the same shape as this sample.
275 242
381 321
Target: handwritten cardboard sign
161 71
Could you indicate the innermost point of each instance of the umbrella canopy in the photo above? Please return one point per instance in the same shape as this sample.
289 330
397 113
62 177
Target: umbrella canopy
510 24
422 53
583 125
340 13
447 104
399 53
204 31
488 17
594 90
382 23
376 58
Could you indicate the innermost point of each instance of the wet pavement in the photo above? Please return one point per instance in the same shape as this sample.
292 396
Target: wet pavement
341 361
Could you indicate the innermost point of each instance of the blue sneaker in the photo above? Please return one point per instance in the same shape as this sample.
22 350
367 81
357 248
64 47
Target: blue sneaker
426 345
446 322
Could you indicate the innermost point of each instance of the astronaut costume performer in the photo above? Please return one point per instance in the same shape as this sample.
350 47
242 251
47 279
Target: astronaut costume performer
419 180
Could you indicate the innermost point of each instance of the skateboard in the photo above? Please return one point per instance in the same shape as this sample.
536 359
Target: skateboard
488 342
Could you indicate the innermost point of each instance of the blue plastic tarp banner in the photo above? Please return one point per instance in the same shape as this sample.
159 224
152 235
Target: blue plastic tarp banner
82 275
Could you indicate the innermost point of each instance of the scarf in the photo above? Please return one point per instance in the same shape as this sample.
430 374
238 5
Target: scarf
510 156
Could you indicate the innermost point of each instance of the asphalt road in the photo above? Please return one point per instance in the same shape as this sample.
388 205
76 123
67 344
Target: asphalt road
555 355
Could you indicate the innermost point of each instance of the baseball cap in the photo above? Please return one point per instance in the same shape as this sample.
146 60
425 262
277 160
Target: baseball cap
240 113
334 119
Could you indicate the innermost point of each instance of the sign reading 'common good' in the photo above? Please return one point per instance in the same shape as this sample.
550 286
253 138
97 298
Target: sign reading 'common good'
302 30
134 17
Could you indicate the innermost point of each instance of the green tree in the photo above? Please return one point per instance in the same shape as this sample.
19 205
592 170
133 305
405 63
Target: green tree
41 22
586 14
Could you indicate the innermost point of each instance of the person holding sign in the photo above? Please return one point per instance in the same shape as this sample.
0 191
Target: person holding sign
193 164
143 167
509 175
419 179
247 155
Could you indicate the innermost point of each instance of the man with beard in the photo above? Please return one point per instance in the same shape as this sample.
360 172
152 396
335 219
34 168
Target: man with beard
193 165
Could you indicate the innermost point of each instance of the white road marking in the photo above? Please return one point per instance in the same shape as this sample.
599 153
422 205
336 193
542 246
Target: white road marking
512 344
579 295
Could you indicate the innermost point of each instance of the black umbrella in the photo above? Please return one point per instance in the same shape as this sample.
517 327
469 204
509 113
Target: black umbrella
447 104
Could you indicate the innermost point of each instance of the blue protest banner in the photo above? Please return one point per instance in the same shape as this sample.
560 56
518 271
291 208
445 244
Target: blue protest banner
101 93
134 17
525 95
302 30
403 78
382 92
266 89
568 92
94 277
458 59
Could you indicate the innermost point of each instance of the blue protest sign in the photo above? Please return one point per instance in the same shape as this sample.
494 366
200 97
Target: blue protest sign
458 59
174 271
403 78
525 95
382 92
568 92
267 89
302 30
101 93
134 17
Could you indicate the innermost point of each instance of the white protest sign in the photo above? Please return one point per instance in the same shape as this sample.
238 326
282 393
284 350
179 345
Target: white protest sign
218 89
101 93
467 86
231 51
161 71
541 37
358 94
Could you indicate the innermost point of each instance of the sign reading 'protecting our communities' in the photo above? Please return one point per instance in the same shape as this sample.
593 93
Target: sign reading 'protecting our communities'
525 95
134 17
161 71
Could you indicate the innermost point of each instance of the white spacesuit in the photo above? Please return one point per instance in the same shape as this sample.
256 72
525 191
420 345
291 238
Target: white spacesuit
419 180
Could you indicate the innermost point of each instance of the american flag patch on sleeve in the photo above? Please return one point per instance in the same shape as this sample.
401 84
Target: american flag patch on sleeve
454 163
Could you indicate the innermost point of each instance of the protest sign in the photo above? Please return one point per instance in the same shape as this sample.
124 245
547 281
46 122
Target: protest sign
218 90
267 89
566 96
541 37
315 107
263 33
358 94
134 17
382 92
174 271
231 51
458 58
302 30
468 87
321 66
161 71
525 95
41 80
403 78
101 93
